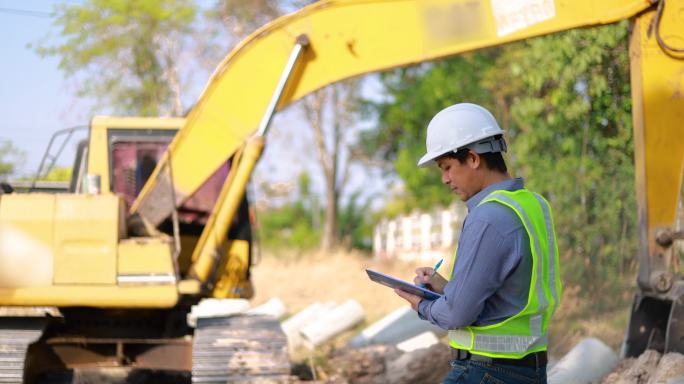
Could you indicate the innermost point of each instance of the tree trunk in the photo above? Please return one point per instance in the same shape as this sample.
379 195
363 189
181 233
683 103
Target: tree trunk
330 239
339 99
314 109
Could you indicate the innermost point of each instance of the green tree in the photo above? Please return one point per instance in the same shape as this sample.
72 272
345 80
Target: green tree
564 100
125 54
354 222
571 134
294 223
415 95
58 174
10 156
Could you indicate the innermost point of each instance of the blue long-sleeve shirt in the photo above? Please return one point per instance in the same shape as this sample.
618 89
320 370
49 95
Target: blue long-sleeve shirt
491 277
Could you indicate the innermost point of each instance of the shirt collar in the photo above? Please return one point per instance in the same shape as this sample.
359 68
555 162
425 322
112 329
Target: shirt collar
507 185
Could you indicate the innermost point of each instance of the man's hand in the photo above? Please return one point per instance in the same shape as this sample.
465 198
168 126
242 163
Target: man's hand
435 283
411 298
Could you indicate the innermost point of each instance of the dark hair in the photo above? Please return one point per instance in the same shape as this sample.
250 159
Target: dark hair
492 160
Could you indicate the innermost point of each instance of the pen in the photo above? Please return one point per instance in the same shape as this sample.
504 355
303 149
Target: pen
434 270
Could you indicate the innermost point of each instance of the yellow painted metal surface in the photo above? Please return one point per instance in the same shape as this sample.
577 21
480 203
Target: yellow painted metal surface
26 239
80 235
233 282
187 243
144 256
98 154
30 213
189 287
101 296
348 38
99 151
87 229
658 115
216 229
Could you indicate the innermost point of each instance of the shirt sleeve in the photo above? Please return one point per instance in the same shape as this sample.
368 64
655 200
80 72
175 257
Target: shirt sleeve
481 268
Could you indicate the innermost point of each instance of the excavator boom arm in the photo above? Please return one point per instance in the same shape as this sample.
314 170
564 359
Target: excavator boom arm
347 38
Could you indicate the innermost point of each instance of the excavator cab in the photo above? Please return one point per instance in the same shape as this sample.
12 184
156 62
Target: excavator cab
119 156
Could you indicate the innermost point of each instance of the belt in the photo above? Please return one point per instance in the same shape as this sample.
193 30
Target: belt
533 360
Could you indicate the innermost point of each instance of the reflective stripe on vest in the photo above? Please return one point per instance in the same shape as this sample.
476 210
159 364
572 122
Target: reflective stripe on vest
526 331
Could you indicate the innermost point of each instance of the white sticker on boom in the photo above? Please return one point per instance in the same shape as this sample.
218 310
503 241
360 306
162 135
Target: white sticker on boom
512 16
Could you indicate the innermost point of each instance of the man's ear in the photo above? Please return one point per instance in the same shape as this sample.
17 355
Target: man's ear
473 159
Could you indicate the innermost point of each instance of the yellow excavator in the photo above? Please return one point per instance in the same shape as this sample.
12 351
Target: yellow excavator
155 221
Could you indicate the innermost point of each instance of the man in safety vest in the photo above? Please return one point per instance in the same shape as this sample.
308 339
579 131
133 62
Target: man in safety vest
505 284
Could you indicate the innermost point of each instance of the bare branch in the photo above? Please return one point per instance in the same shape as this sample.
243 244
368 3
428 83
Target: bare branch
313 108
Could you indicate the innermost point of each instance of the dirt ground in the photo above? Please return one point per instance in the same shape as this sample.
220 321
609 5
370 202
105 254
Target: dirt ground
301 279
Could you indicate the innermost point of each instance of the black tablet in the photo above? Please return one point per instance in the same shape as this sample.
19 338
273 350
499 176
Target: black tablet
392 282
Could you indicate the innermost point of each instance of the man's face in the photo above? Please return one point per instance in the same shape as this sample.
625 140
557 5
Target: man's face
462 179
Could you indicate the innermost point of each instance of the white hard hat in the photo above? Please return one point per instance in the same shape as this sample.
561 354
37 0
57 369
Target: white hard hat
461 125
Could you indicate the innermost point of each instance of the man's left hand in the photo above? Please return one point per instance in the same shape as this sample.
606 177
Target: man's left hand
411 298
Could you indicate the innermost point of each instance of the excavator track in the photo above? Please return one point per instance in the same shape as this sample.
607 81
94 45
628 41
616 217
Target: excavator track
16 334
240 349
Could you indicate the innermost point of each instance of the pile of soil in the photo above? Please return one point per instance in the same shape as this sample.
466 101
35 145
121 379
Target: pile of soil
380 364
649 368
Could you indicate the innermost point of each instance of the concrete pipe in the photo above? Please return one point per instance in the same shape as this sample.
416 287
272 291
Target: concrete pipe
332 323
401 324
587 362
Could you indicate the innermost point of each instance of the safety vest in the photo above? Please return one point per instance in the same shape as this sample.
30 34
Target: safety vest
526 331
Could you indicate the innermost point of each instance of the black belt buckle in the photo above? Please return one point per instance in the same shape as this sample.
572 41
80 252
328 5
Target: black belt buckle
459 354
534 360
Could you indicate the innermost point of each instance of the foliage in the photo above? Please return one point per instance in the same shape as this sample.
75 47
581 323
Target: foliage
295 223
289 225
354 222
298 222
416 94
125 51
564 100
572 135
58 174
10 156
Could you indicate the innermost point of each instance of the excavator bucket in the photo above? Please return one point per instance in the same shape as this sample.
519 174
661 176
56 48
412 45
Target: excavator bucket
655 323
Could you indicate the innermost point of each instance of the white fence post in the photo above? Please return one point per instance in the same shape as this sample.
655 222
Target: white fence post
425 236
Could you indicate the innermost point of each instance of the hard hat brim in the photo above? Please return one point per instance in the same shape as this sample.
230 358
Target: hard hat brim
476 147
425 161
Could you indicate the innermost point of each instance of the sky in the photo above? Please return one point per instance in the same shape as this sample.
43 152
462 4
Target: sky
36 100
